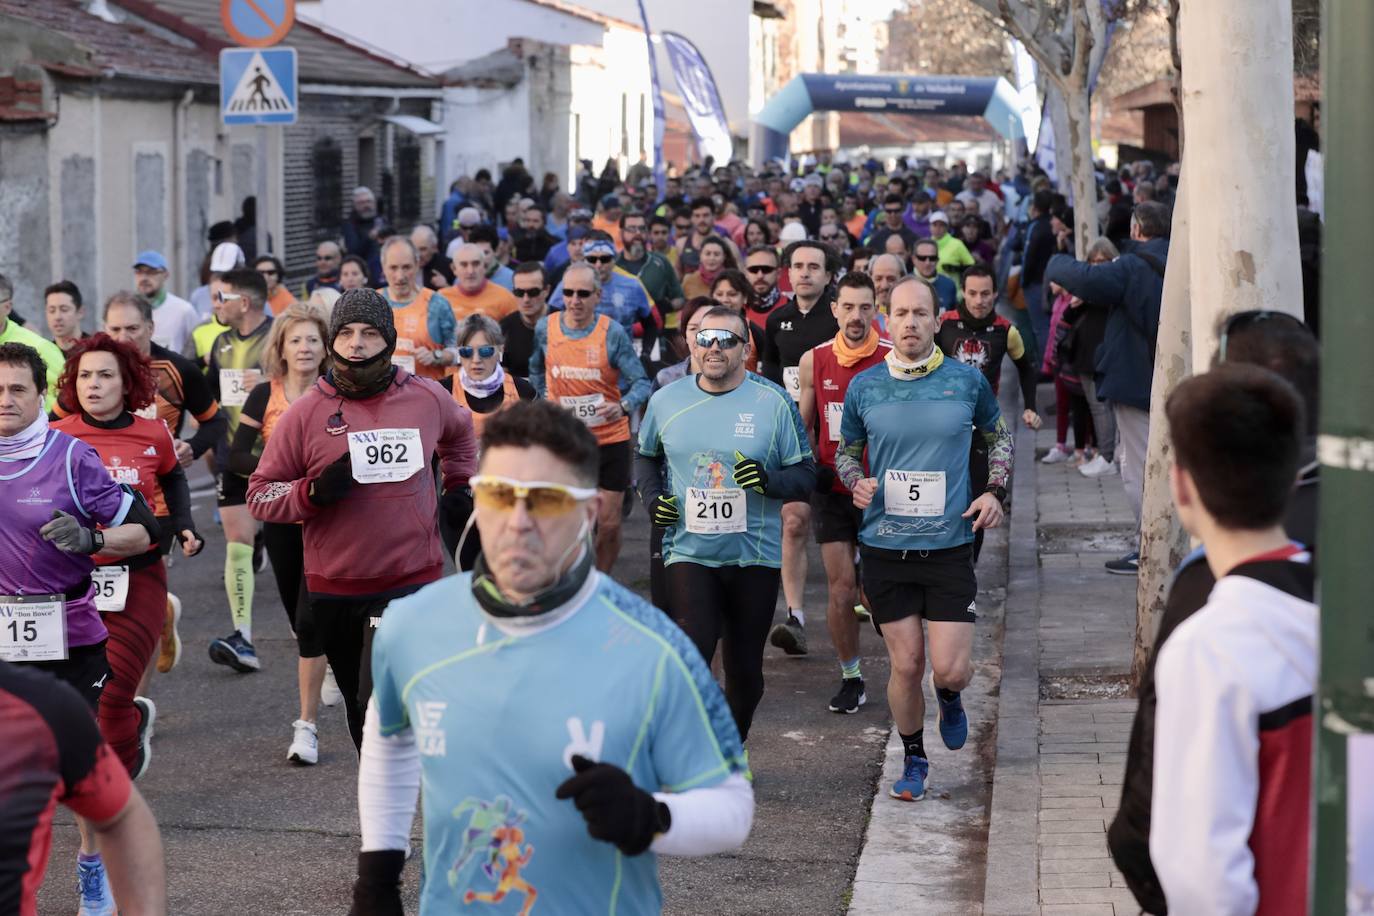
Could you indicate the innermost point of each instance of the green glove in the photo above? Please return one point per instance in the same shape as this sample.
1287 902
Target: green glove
749 474
663 511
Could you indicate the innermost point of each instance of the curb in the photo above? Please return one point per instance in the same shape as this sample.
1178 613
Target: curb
1012 878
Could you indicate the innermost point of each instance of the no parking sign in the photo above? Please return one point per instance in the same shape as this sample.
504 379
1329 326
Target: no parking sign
257 23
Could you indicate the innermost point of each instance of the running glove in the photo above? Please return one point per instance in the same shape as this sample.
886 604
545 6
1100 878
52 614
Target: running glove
67 534
616 810
663 511
377 892
749 474
333 483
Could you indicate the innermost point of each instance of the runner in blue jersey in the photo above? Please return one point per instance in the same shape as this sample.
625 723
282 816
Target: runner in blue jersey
718 453
565 730
915 416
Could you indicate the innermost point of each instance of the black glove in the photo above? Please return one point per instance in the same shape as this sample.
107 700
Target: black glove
456 505
825 478
616 810
749 474
377 892
67 534
333 483
663 511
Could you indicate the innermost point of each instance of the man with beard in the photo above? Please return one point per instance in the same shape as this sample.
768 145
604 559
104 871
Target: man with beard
532 241
761 266
434 272
652 269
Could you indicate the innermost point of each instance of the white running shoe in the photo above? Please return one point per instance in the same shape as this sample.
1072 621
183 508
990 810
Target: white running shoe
305 745
330 694
1056 455
1099 467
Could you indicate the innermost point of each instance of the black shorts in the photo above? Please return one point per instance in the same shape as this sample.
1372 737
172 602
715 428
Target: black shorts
84 668
617 462
935 584
230 489
834 517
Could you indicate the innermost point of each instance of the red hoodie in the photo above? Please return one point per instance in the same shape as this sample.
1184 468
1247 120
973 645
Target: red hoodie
381 538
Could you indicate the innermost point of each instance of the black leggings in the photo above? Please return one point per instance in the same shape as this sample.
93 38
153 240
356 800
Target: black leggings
472 545
286 548
658 574
345 627
732 604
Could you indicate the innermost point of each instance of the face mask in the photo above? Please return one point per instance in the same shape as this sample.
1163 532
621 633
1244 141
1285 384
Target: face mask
357 379
491 599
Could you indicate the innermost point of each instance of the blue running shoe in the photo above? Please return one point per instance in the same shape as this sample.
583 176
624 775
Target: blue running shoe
97 898
236 652
953 722
912 785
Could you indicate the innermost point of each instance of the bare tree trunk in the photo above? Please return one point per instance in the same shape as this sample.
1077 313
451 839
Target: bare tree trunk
1082 178
1163 542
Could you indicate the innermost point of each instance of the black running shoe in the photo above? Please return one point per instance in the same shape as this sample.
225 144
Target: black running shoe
850 697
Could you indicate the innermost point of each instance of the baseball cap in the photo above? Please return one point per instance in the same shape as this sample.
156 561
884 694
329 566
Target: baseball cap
227 256
578 232
580 214
150 258
792 232
469 217
610 202
938 217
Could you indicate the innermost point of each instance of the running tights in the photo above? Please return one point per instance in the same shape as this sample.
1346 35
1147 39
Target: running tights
732 604
286 547
134 633
345 627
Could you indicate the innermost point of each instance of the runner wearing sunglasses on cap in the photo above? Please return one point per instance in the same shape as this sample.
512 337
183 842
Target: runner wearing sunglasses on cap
718 453
565 730
351 461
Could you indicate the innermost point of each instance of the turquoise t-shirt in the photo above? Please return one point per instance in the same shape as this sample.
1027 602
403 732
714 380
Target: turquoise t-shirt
918 433
497 719
698 433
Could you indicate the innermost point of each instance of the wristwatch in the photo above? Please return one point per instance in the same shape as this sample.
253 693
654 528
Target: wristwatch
999 492
97 541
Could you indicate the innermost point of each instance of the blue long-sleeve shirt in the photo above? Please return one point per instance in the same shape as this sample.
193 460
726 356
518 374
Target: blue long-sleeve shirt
618 346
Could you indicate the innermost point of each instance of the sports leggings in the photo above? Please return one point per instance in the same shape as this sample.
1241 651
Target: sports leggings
732 604
286 547
134 632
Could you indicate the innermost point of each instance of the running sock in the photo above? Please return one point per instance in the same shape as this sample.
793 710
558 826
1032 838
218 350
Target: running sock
238 585
946 696
914 745
90 859
797 613
850 669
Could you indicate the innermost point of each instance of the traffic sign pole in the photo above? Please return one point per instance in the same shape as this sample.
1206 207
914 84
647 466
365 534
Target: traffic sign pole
261 216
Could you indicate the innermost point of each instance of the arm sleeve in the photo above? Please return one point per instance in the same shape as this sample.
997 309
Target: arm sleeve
209 432
631 370
708 820
195 388
770 363
278 490
849 454
794 481
1203 803
988 419
1103 284
177 492
1025 368
242 461
541 341
388 785
649 477
457 446
796 477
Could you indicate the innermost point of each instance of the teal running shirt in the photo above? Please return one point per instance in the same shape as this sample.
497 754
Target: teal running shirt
497 719
698 433
918 432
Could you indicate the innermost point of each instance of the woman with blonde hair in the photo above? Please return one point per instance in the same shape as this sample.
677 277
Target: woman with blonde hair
295 357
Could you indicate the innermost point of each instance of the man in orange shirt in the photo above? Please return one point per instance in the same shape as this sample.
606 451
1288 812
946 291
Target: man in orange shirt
472 291
607 218
424 328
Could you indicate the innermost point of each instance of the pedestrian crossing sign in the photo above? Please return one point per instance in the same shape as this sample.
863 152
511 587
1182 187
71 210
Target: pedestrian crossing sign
257 85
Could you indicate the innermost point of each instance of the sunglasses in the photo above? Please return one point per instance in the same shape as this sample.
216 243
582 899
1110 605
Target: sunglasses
1251 317
761 269
578 293
829 237
599 259
486 351
927 259
542 499
521 292
726 340
228 297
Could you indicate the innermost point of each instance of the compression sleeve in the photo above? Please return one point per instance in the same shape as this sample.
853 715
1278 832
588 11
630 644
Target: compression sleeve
999 440
242 461
649 475
177 492
388 784
795 481
708 820
1025 368
209 433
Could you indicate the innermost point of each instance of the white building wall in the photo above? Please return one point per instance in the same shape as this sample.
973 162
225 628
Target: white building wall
486 127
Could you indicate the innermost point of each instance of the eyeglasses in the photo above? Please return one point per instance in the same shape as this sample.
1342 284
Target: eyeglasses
268 273
1253 316
521 292
542 499
578 293
483 352
726 340
599 259
228 297
761 269
927 258
831 237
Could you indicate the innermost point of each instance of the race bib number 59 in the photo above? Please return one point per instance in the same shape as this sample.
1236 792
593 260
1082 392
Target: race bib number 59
918 494
385 455
585 407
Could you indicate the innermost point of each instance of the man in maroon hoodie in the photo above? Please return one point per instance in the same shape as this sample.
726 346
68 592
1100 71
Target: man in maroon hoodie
351 461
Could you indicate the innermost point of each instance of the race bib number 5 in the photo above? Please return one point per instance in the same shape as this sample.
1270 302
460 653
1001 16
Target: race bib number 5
717 510
385 455
585 407
918 494
111 588
33 628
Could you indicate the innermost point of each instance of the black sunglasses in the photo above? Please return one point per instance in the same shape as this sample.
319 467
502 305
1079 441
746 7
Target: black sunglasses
578 293
927 259
1253 316
484 352
726 340
526 292
761 269
599 259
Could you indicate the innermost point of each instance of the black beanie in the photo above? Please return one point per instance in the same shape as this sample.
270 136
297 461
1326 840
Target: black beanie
363 306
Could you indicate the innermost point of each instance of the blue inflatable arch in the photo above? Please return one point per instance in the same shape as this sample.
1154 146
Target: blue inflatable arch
990 97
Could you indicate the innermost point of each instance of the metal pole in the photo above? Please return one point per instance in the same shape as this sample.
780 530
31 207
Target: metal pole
1346 445
263 209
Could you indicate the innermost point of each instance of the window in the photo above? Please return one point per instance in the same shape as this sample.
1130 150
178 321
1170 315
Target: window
326 169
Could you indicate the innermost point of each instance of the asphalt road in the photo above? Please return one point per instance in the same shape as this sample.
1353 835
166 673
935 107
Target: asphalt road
245 831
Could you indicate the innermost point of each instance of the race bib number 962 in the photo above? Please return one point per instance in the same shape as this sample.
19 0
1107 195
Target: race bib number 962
385 455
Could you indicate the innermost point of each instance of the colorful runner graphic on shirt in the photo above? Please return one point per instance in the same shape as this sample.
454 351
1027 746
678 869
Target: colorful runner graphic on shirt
491 843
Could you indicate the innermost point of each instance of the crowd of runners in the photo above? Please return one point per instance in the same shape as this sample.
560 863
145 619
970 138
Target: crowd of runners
759 359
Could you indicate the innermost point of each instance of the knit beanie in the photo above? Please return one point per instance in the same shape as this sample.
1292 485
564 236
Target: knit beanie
363 306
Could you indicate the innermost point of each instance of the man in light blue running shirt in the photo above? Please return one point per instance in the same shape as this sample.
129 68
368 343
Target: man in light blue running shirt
565 730
914 416
718 453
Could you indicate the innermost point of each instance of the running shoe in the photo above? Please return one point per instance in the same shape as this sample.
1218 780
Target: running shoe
330 694
1056 455
305 744
1129 565
236 652
259 552
912 785
1099 467
147 715
97 897
850 697
953 722
789 636
171 639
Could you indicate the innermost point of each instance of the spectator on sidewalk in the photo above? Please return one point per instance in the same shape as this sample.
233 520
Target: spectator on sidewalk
1070 404
1080 349
1283 345
1039 248
1231 806
1130 289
